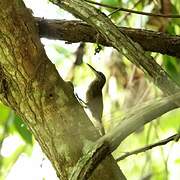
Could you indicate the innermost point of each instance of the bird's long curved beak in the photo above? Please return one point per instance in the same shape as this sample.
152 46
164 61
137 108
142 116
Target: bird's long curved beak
96 72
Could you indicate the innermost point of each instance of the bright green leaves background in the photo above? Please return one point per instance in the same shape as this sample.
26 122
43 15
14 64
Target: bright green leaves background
10 126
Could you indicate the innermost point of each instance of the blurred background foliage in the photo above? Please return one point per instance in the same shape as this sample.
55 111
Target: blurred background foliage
127 87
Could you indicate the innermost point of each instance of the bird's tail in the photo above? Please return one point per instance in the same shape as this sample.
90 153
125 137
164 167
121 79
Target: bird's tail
98 124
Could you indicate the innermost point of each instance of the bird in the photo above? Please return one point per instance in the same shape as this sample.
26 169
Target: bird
94 98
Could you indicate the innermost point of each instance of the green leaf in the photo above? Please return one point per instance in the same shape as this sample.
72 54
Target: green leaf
115 3
4 113
175 11
171 120
22 130
177 161
8 162
172 66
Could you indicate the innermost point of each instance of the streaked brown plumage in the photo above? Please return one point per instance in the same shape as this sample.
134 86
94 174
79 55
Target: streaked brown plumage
94 97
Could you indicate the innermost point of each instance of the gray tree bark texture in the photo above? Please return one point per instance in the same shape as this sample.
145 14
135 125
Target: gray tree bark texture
31 85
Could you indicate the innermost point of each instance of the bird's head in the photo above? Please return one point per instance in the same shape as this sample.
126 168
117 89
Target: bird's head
100 77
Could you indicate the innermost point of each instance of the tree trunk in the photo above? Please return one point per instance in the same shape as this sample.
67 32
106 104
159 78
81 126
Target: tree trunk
31 85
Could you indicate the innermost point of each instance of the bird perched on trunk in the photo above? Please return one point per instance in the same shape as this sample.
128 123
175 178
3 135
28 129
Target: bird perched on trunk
94 98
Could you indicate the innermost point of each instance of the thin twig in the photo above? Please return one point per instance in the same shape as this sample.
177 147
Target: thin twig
103 5
116 9
127 14
174 137
145 13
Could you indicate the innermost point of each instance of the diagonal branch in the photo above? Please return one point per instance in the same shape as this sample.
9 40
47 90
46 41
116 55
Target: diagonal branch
130 49
134 52
108 143
174 137
78 31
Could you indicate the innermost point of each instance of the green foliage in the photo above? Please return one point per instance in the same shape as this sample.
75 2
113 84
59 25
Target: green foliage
4 112
8 162
115 3
22 130
11 126
172 66
14 124
171 121
176 10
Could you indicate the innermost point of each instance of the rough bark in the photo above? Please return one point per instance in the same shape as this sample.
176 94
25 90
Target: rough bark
30 84
79 31
134 52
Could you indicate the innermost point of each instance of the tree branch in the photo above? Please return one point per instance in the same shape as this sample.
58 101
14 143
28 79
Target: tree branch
174 137
116 9
78 31
134 52
109 142
130 49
